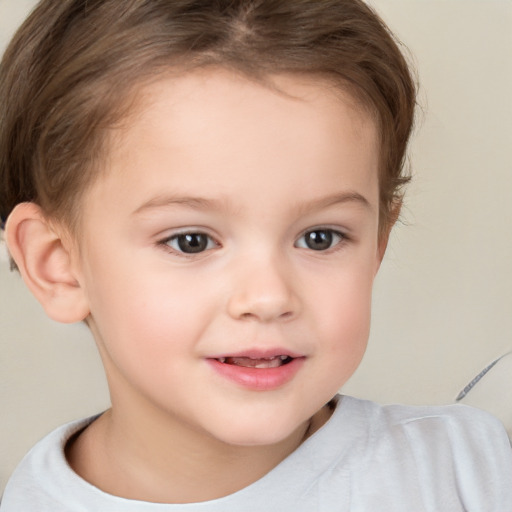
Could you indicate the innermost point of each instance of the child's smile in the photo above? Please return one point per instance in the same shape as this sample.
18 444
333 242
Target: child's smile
259 371
231 247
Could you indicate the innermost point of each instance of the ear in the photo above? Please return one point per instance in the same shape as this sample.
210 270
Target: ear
386 231
45 264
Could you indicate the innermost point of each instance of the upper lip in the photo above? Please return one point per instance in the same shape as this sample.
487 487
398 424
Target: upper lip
256 353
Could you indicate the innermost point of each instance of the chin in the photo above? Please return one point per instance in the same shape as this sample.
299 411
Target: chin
262 431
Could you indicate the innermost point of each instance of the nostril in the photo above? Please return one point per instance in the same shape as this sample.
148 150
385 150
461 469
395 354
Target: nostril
263 303
266 317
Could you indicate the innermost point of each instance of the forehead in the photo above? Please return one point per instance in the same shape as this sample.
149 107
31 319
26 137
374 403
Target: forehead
219 90
214 124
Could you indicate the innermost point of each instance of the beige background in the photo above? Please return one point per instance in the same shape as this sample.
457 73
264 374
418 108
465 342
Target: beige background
443 300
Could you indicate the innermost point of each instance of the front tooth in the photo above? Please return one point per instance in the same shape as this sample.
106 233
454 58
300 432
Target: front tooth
276 363
269 363
221 359
283 358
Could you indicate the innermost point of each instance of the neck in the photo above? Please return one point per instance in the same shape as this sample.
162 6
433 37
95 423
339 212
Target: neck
151 460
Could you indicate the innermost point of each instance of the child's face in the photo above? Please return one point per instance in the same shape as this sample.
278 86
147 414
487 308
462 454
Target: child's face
234 225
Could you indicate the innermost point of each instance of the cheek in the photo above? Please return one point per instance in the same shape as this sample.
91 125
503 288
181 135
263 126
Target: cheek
144 335
344 320
150 321
348 326
149 316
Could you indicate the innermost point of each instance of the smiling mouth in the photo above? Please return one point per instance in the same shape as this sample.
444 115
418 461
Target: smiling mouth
262 362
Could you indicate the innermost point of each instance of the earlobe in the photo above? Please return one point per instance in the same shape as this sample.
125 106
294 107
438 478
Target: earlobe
45 264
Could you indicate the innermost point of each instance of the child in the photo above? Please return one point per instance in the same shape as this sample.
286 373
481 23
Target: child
210 186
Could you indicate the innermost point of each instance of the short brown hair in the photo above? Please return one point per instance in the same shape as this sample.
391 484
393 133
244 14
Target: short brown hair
72 64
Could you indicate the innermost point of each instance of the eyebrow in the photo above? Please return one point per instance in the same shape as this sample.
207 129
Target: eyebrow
195 203
335 199
202 203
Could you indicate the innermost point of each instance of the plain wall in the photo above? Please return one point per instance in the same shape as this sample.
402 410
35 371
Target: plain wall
443 299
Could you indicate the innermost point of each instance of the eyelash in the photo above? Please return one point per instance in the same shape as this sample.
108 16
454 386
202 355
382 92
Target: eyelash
332 234
167 243
336 242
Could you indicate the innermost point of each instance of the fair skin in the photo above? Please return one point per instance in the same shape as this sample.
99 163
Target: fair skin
221 349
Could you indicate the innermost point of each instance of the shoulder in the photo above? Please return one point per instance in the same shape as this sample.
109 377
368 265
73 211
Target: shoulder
452 452
460 419
455 425
454 416
459 426
40 480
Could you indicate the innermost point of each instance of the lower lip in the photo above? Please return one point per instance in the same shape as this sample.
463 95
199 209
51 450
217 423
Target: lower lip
258 379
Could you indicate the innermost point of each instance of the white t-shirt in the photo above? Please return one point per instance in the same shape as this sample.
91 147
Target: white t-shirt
366 458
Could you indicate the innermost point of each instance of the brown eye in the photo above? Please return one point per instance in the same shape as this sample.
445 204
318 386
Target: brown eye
319 239
190 243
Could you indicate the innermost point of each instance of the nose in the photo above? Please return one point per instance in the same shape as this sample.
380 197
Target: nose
264 291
